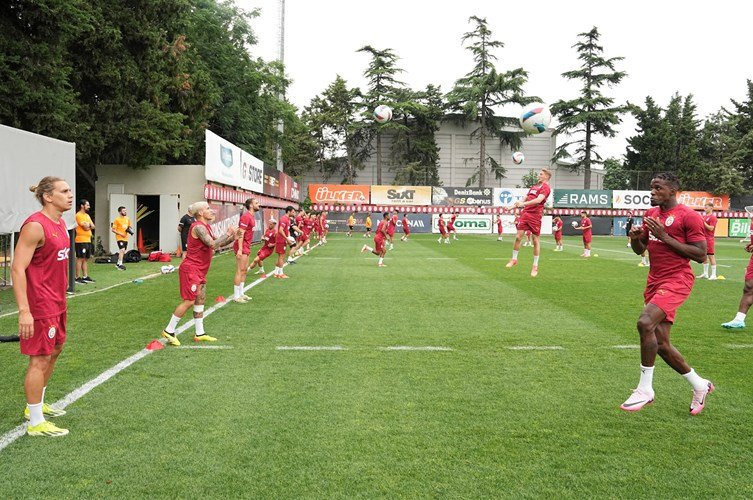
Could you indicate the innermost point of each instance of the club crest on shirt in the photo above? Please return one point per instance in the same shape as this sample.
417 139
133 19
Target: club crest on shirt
193 288
669 220
51 332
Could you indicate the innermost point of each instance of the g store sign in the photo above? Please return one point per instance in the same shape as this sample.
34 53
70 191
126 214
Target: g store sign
639 200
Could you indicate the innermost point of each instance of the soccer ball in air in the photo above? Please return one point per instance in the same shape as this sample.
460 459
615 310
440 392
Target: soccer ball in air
574 223
518 158
535 118
383 113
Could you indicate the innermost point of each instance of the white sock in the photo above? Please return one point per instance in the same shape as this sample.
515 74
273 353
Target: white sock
380 260
261 270
278 270
120 262
644 260
514 255
236 292
713 270
241 287
36 416
646 383
706 269
535 260
740 316
199 325
172 325
695 380
588 253
369 248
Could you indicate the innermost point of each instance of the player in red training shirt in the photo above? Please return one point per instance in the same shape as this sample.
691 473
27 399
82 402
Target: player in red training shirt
585 226
406 228
392 227
673 234
192 272
296 231
242 249
530 219
709 224
499 227
40 280
267 247
380 239
557 230
282 240
443 231
308 228
325 227
451 226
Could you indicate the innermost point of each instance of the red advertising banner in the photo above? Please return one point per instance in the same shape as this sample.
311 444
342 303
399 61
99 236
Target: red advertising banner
698 199
338 193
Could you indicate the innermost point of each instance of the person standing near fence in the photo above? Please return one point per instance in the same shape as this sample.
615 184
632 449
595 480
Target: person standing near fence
121 227
84 246
40 281
184 226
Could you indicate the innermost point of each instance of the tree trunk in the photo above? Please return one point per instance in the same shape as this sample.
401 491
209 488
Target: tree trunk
379 157
587 159
482 149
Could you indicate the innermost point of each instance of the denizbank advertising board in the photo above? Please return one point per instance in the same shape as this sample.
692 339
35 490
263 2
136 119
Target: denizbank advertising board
582 198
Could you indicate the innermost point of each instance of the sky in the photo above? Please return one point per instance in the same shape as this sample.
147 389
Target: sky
691 47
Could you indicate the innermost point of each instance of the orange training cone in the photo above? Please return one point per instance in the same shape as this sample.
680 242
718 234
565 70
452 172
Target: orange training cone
220 298
155 345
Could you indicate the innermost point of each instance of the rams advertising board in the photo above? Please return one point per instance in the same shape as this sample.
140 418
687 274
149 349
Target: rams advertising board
582 198
505 197
462 196
638 200
401 195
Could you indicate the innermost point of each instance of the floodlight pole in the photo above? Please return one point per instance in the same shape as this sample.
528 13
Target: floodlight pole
281 58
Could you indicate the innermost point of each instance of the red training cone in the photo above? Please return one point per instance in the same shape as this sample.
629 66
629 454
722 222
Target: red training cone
155 345
220 298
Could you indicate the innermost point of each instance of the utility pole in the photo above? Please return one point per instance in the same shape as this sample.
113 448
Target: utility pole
281 58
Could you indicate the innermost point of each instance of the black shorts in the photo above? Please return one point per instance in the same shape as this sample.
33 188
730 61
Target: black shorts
350 227
84 250
628 228
368 229
122 245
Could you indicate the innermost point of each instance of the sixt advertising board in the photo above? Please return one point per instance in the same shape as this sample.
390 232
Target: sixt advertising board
401 195
505 197
638 200
582 198
462 196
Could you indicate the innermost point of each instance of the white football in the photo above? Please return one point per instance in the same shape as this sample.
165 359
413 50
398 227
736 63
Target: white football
291 240
574 223
518 158
383 113
535 118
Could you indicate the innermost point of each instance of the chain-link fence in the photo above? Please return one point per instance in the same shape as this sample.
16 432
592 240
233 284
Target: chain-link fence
5 244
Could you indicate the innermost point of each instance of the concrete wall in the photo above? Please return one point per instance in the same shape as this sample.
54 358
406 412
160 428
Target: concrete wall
456 150
187 181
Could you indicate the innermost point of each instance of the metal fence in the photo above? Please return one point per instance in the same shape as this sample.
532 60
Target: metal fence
5 247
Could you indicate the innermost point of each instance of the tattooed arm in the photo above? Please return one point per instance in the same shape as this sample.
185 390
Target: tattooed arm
201 233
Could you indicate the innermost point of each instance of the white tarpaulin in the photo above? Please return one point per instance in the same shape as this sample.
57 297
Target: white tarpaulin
26 158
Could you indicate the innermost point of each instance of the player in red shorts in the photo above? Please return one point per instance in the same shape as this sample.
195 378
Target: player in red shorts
451 226
282 240
442 231
585 226
242 249
308 228
267 247
499 227
557 230
530 219
380 240
673 234
193 271
391 228
747 299
406 228
40 280
325 227
709 223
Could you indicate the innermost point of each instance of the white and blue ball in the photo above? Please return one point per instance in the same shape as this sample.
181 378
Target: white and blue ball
535 118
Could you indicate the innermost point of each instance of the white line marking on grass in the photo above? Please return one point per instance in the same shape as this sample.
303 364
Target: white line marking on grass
218 347
310 348
626 347
9 437
441 258
414 348
327 258
739 346
495 258
536 348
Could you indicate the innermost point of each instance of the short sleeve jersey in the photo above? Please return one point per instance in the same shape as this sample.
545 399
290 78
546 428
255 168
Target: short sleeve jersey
558 226
284 225
684 225
247 223
185 226
120 224
406 224
368 222
83 235
541 188
709 219
586 222
270 237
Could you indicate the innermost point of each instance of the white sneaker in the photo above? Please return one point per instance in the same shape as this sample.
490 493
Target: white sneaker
637 400
702 276
712 277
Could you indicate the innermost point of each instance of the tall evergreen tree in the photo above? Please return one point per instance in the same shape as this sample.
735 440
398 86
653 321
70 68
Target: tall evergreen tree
742 119
476 96
592 113
383 88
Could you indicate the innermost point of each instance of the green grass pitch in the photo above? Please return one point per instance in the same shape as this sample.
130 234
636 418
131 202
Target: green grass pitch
484 418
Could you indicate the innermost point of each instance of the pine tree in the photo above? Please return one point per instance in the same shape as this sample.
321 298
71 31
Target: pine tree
592 113
481 91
